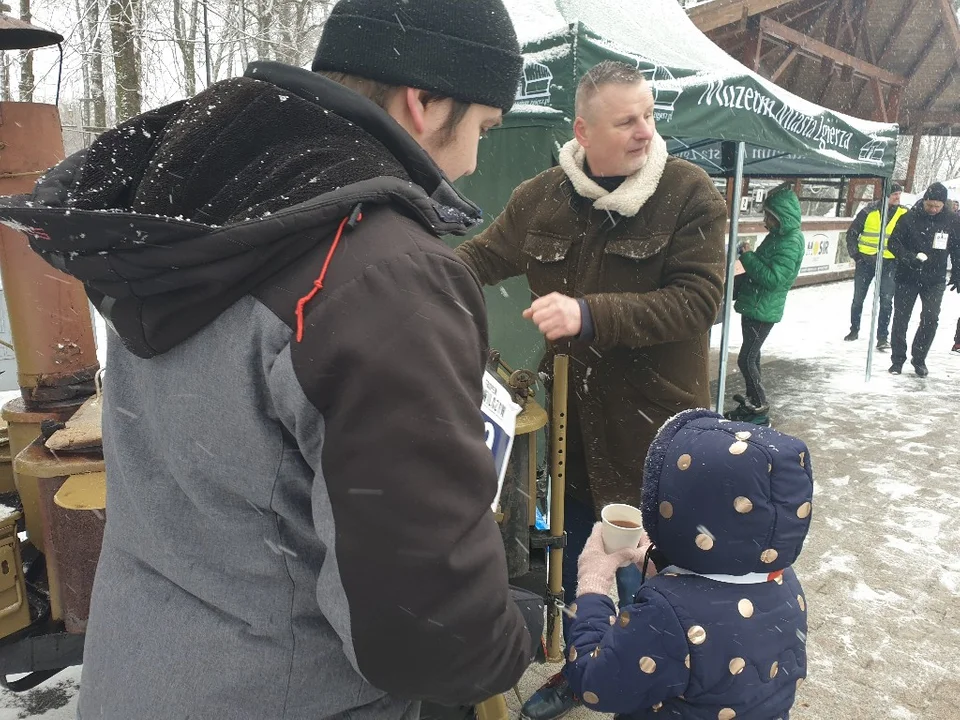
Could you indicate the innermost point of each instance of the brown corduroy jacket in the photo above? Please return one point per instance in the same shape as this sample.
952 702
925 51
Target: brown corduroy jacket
648 259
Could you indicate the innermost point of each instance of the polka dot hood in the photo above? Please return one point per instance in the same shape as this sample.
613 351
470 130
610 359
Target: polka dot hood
722 497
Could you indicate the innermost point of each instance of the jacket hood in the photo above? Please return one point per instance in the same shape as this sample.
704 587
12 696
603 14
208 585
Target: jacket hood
785 206
723 497
171 217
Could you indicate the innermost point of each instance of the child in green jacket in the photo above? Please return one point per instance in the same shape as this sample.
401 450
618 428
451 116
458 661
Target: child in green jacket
770 272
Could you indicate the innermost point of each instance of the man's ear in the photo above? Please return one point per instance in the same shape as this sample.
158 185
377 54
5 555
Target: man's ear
580 132
416 108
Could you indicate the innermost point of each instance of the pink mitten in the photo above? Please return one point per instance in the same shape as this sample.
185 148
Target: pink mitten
596 569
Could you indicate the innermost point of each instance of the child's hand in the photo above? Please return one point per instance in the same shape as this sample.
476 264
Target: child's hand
597 569
645 544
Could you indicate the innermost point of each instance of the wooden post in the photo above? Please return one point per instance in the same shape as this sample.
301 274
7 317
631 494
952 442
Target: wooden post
751 49
912 163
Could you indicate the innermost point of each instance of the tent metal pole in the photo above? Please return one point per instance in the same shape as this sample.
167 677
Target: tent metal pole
731 265
878 276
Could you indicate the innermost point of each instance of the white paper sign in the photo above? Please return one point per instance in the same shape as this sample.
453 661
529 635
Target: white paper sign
940 240
500 425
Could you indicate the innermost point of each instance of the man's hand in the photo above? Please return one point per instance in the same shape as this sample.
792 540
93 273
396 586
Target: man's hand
557 316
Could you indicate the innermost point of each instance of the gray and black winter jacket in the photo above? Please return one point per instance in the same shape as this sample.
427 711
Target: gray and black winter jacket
298 488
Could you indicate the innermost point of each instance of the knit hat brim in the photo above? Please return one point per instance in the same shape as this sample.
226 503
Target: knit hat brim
937 192
410 56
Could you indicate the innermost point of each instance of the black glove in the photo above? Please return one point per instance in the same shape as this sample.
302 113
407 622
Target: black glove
954 283
857 256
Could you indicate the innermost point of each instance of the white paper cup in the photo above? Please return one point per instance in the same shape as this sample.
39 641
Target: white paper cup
617 533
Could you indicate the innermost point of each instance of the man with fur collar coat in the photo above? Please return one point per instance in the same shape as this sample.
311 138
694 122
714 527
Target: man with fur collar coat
623 248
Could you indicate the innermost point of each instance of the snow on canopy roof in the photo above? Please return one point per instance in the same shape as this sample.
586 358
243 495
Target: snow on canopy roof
535 19
635 27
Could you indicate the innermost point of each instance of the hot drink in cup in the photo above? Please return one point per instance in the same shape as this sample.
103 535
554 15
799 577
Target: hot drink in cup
622 527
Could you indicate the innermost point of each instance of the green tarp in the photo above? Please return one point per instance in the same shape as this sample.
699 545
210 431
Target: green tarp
705 102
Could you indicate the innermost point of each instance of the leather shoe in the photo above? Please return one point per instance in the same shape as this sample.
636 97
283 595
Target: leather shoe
554 700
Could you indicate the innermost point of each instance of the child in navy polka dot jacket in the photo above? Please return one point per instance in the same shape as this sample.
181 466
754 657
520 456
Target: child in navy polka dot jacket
720 630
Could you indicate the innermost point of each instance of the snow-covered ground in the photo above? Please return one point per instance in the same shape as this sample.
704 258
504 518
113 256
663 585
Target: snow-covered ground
880 568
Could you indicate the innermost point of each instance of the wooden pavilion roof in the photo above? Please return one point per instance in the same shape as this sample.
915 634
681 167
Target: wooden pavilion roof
889 60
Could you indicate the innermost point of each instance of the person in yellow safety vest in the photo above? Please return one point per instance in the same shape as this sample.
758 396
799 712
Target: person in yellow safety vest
863 239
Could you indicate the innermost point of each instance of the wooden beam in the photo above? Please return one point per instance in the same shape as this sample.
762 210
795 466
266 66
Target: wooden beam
848 26
902 19
930 100
862 36
791 56
912 162
815 48
751 49
926 46
726 12
825 89
879 106
831 36
894 98
949 18
919 122
803 13
798 71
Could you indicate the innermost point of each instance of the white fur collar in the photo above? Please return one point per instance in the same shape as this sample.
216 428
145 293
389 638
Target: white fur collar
635 190
748 579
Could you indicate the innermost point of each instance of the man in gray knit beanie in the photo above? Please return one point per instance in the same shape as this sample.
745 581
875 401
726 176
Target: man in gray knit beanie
335 555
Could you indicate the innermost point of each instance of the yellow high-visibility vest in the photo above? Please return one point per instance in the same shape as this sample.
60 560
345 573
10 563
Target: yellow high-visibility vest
870 237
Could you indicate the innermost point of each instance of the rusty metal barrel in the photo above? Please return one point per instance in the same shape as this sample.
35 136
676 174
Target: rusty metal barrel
50 318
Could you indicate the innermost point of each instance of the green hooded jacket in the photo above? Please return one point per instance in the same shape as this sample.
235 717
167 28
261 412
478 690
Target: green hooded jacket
774 266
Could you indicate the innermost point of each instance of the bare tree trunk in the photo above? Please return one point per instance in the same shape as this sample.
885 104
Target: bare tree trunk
84 48
241 36
5 78
286 47
123 30
225 50
95 31
264 27
186 35
26 60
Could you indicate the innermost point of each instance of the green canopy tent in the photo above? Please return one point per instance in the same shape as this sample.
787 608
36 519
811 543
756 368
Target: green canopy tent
714 112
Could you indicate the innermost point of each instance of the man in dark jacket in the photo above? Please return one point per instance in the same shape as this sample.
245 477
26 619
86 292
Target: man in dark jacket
299 490
863 240
623 249
923 241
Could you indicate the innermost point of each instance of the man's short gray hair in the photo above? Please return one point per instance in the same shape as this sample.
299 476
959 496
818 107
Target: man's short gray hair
609 72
